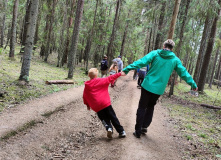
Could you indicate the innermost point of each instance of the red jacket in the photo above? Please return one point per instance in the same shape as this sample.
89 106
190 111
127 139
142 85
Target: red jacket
96 94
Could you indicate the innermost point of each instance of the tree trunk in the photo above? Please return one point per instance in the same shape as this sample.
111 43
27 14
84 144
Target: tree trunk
146 40
75 36
13 29
207 56
89 40
174 18
160 26
110 54
67 41
214 67
51 21
206 32
125 36
150 40
24 75
219 68
24 30
178 48
3 24
170 36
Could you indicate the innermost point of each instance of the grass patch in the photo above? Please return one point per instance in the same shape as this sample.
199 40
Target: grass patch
23 128
39 73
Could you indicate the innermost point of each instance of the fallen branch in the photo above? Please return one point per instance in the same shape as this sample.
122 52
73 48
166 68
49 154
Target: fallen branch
209 106
60 82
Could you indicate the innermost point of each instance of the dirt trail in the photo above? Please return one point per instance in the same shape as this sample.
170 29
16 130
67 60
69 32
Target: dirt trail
75 133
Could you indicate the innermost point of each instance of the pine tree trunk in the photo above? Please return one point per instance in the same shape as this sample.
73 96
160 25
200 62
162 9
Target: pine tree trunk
206 32
89 41
24 30
75 36
110 53
219 68
24 75
67 41
214 67
178 48
174 18
124 36
208 52
150 40
13 29
146 40
3 24
160 26
51 19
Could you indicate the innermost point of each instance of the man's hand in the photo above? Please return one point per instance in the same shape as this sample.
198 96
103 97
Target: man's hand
88 108
123 74
196 89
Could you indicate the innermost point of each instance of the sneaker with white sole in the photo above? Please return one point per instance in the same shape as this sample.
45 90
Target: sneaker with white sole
122 134
109 132
143 130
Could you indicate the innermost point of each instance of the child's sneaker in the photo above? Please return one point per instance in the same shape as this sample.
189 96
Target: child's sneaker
122 134
143 130
109 132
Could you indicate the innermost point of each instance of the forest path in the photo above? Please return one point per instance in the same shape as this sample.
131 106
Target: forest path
72 132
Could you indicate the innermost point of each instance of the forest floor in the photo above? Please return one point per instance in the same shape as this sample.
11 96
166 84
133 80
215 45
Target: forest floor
59 126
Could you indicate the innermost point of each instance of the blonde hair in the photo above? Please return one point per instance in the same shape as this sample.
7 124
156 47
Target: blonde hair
92 73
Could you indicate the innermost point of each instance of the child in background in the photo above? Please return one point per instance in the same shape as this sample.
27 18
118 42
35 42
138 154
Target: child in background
113 70
97 98
141 75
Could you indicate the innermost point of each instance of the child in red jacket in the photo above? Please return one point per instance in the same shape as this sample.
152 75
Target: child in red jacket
97 98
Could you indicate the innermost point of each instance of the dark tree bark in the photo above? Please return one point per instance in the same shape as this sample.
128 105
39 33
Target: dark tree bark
160 26
149 48
24 75
214 66
13 29
67 41
73 50
51 19
218 73
208 52
178 48
110 53
145 44
124 36
89 40
24 30
3 24
206 32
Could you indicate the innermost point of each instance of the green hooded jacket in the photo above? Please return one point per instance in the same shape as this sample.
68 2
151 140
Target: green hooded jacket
163 62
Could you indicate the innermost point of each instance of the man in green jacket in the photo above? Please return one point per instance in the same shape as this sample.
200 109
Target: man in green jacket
163 62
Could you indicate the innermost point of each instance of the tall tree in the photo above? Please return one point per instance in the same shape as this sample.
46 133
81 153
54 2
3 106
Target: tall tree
208 52
13 29
73 50
2 29
24 75
204 38
170 36
111 41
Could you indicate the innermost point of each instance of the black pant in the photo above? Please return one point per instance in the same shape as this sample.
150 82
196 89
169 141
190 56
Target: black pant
145 110
140 81
108 116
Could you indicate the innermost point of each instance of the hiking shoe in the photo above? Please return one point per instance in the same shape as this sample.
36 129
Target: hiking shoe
143 130
136 135
122 134
109 132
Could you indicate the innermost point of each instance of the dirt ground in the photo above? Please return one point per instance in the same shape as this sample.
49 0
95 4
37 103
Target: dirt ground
73 132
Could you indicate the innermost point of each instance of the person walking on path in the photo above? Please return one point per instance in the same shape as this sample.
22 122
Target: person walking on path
113 70
97 98
119 63
163 62
104 66
141 74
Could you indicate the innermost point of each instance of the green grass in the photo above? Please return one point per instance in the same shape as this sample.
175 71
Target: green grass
39 73
199 125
